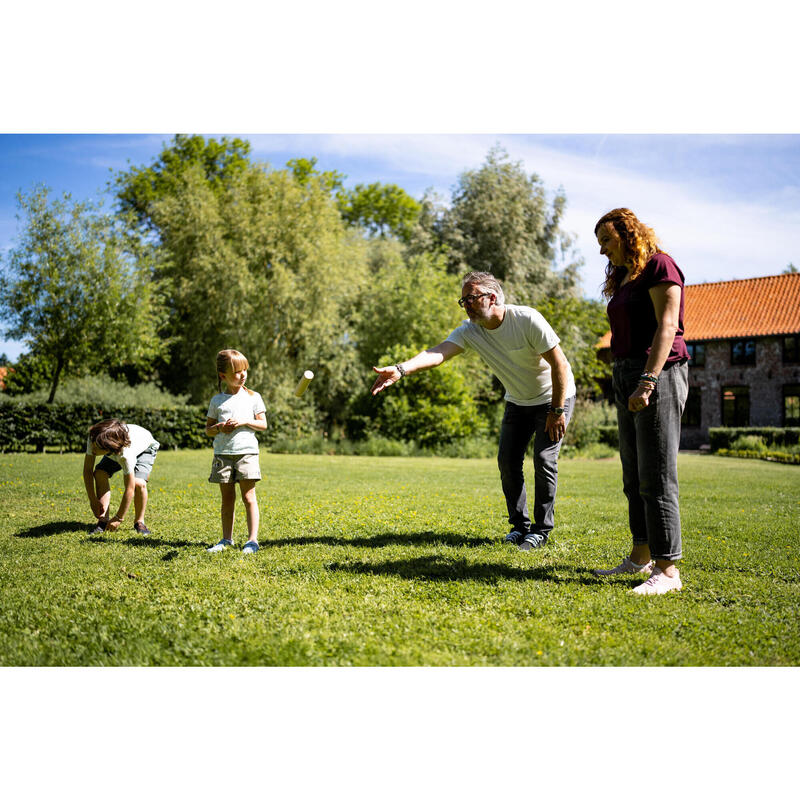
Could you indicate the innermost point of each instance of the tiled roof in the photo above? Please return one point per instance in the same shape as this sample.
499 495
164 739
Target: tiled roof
735 309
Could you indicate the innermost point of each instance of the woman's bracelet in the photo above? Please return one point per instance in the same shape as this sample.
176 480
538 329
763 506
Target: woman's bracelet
648 377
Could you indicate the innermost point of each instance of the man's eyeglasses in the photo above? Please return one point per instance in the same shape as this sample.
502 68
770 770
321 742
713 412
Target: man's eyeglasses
471 298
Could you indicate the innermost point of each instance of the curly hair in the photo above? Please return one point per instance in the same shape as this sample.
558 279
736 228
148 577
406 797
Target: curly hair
640 243
111 435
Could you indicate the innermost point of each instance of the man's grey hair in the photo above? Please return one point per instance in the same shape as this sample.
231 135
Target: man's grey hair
488 282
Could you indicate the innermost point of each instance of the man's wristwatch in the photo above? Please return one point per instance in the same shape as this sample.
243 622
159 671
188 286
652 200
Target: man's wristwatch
557 411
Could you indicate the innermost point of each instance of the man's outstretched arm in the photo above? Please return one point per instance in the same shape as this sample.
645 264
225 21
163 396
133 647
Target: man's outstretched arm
431 357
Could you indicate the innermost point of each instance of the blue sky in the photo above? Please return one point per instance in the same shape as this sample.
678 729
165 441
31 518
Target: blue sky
725 206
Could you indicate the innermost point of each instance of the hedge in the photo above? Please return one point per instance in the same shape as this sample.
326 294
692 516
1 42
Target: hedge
722 438
64 426
765 455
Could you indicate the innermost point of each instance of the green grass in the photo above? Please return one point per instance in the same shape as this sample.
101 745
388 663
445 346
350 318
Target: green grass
392 561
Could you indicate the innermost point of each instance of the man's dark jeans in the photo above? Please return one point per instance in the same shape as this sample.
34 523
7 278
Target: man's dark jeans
648 448
520 425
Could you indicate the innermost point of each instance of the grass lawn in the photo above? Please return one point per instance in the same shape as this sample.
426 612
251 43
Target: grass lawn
392 561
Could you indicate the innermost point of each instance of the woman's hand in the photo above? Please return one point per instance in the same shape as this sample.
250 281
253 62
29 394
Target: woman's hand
640 398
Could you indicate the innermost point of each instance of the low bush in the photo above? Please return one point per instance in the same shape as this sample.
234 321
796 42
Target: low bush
752 443
773 438
764 455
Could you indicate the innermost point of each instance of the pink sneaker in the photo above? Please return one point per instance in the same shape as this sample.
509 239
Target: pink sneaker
627 567
659 583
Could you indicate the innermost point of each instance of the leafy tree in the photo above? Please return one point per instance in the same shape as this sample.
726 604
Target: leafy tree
411 305
304 169
499 221
264 265
75 291
138 188
381 209
580 323
790 269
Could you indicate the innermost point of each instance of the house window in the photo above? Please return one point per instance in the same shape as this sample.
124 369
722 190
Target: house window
697 354
743 351
791 349
791 405
691 411
735 406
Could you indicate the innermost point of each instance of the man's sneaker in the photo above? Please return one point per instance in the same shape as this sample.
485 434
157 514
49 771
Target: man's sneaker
627 567
220 546
141 528
515 537
532 541
659 583
250 547
99 528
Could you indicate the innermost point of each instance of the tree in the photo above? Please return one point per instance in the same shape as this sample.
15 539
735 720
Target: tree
411 305
790 269
381 209
264 264
499 221
75 290
219 162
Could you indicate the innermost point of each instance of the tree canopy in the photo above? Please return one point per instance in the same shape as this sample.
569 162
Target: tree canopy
75 292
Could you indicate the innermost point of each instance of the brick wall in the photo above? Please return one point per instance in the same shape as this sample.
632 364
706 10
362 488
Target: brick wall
765 380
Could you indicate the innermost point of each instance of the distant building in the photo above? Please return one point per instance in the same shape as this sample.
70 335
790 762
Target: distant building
744 342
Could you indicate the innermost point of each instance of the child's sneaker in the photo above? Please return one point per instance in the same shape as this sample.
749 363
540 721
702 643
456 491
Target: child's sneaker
220 546
659 583
141 528
250 547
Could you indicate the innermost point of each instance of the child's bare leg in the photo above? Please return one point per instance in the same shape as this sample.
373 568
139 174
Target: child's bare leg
248 489
103 492
228 492
140 500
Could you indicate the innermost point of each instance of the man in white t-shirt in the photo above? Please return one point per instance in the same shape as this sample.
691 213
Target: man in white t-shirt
522 350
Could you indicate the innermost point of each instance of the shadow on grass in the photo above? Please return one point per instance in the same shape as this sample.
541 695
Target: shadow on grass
145 541
438 568
52 529
425 538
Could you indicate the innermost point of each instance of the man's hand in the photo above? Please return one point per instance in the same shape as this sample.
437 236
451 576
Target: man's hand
97 508
113 524
556 426
386 377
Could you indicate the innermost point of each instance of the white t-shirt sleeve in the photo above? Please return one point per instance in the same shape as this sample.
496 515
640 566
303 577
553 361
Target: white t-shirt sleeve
458 336
539 333
258 405
213 408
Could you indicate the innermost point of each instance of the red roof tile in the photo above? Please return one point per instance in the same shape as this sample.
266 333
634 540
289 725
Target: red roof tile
735 309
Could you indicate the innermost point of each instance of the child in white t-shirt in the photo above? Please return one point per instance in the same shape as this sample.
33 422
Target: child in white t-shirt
130 448
233 415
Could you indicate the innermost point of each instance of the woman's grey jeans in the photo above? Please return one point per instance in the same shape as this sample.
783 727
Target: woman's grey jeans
648 448
520 425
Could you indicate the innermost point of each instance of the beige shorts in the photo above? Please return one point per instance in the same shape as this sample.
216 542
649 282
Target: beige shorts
231 469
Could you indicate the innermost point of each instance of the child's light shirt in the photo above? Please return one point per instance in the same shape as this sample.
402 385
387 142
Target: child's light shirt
240 406
141 439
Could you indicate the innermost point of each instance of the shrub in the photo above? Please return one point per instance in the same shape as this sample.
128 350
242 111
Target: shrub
754 443
774 438
590 424
103 390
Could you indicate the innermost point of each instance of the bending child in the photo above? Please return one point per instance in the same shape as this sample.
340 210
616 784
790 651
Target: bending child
129 448
233 416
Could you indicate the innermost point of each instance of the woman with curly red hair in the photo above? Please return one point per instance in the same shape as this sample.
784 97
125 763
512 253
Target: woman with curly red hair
645 288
